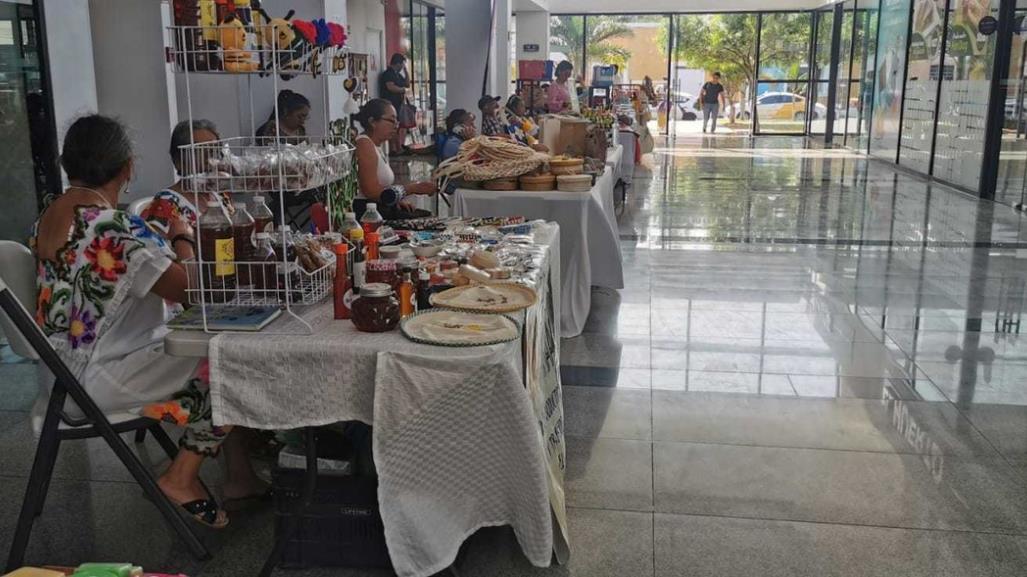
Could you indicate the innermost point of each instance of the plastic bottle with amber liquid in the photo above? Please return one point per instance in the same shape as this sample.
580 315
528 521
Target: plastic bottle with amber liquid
263 218
265 269
407 295
217 251
343 283
243 232
372 219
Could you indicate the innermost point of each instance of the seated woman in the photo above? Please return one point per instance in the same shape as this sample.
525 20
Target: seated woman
104 277
174 202
290 125
520 128
376 180
459 128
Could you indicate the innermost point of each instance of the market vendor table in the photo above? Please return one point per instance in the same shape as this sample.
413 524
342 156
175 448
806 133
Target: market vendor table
590 244
463 438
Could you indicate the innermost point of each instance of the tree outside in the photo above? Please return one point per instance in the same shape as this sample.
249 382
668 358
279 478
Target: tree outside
727 43
567 34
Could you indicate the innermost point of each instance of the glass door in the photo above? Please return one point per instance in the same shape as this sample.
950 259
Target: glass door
821 78
1012 177
708 43
28 168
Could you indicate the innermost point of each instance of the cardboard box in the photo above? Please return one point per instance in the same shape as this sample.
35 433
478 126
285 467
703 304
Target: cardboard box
565 135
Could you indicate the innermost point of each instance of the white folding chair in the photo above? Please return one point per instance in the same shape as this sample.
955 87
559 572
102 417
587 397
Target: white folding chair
17 285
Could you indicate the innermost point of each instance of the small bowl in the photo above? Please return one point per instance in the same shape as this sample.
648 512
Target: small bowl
426 249
390 252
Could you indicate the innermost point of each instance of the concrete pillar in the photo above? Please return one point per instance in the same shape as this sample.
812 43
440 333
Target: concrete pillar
467 40
501 51
533 30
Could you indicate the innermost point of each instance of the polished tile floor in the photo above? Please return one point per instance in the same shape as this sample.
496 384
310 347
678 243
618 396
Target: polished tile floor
815 369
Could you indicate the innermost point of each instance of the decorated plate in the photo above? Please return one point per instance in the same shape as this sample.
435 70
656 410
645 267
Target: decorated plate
449 328
486 298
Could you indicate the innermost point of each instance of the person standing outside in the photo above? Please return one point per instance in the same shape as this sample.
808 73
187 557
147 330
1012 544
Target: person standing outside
393 85
712 98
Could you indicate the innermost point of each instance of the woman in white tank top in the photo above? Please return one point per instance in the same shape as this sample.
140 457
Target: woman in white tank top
374 175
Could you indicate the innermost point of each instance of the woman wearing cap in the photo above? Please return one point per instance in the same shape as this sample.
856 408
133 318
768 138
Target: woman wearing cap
393 85
491 123
459 128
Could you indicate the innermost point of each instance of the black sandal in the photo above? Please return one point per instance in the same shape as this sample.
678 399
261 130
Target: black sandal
206 512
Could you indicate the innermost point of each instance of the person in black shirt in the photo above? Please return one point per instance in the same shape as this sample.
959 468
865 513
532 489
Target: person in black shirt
712 98
393 85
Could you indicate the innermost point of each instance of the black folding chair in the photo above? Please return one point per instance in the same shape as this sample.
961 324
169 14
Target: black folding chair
94 423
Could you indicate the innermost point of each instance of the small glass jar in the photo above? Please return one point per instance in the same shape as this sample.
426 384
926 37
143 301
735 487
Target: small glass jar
377 310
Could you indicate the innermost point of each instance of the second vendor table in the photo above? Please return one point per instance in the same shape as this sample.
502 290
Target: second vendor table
464 438
590 244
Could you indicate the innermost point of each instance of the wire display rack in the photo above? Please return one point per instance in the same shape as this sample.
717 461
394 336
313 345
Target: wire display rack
276 165
262 164
239 49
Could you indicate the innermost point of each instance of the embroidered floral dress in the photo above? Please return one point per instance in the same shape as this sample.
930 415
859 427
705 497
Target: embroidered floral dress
95 305
168 205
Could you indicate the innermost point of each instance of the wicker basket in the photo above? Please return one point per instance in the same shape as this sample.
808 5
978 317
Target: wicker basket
500 184
560 166
574 182
538 182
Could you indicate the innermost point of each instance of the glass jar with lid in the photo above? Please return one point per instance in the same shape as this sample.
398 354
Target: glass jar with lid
377 309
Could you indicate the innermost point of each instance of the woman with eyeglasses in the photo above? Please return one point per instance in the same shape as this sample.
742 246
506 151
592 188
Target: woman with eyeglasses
374 175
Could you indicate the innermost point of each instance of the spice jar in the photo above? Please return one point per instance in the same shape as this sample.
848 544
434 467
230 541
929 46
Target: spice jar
377 310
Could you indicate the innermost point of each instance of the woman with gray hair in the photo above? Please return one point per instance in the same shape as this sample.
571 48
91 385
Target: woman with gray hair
174 202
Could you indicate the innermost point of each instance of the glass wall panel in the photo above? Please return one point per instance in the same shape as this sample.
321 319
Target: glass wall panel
784 67
822 67
925 71
567 40
964 97
890 66
440 64
784 46
781 107
864 67
1012 176
845 97
26 168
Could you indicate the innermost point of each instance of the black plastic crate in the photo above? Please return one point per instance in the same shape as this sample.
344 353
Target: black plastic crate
342 528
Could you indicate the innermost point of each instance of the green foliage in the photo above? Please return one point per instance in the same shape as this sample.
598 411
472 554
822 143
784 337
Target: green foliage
727 43
567 34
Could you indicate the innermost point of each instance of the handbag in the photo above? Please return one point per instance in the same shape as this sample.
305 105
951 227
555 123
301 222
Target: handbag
407 114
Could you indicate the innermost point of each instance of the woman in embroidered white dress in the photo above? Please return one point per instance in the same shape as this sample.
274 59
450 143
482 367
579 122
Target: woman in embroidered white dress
104 278
175 202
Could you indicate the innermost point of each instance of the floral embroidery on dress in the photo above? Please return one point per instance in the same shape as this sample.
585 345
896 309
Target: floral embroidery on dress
168 206
76 288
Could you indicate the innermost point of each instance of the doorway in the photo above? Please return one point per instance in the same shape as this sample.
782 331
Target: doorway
28 167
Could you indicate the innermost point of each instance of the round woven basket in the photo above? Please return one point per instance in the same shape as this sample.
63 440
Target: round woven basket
500 184
574 183
537 182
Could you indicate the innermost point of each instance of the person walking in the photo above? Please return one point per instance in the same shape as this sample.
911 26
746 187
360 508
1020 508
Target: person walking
712 98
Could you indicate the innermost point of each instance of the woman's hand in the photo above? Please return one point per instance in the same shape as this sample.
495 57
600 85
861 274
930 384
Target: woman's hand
178 227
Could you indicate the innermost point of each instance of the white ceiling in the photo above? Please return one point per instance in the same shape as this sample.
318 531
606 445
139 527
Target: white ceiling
620 6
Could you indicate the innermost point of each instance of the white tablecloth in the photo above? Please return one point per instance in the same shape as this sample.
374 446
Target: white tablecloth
457 440
615 160
627 141
590 244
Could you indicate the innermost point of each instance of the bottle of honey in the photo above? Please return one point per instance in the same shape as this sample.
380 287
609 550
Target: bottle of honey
217 251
